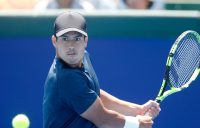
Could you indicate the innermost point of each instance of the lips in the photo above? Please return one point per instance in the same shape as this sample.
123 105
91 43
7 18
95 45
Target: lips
71 53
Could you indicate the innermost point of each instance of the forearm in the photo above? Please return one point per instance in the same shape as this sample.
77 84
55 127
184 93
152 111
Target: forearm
102 117
116 120
123 107
113 120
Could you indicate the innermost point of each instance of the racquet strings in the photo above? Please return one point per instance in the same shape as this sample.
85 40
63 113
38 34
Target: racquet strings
185 60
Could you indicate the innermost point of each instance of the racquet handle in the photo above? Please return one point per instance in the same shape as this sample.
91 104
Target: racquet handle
158 101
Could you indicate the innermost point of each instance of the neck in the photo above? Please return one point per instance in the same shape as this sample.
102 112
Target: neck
79 65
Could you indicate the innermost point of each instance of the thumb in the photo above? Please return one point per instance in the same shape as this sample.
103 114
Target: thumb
148 118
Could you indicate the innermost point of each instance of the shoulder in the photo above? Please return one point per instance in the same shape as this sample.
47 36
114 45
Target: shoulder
71 79
66 72
71 74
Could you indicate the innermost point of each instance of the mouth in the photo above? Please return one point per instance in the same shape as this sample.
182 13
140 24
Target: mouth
71 53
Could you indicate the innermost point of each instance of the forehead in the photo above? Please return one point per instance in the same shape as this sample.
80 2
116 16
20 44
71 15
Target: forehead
72 33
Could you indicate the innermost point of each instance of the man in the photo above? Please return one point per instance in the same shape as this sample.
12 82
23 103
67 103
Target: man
72 97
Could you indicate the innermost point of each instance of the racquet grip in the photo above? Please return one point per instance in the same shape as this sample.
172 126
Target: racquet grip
158 101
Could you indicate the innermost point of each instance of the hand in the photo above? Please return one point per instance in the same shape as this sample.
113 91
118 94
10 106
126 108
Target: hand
151 108
145 121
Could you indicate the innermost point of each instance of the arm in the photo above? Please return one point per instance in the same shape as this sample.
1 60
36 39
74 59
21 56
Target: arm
123 107
127 108
104 118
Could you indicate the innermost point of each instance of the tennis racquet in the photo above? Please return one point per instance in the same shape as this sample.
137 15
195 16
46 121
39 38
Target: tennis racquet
183 65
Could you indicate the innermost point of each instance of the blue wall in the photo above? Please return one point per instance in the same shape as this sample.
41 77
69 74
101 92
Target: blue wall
129 68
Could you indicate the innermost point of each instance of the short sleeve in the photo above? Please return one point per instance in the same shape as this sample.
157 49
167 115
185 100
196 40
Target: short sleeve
75 92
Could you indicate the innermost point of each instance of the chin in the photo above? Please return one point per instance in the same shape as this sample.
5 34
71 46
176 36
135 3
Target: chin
73 62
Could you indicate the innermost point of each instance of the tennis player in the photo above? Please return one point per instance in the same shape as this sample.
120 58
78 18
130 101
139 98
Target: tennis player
72 96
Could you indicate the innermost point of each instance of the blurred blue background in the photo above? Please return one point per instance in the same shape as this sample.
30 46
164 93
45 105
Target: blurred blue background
129 67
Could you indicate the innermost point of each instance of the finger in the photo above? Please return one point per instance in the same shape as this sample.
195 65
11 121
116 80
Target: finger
148 118
153 112
154 103
156 109
156 106
148 122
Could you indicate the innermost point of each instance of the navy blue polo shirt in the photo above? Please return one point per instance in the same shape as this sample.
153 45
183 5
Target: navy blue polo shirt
68 93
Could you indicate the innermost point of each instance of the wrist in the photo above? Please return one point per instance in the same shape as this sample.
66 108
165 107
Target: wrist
131 122
136 110
141 110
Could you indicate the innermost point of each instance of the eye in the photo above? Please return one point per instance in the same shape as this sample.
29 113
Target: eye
77 38
65 39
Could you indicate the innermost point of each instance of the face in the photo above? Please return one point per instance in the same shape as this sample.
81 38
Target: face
70 48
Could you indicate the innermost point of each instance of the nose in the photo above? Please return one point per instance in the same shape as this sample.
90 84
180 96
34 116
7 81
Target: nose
71 48
70 44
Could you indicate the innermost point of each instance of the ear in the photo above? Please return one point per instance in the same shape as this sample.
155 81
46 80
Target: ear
86 41
53 39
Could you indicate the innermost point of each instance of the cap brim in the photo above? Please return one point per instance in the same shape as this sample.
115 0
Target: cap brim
69 30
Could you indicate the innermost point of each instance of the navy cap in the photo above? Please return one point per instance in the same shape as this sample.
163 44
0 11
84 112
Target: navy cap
69 21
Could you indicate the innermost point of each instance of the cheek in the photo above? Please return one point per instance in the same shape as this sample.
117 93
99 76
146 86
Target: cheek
84 45
60 50
83 48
